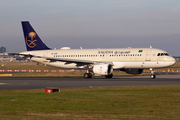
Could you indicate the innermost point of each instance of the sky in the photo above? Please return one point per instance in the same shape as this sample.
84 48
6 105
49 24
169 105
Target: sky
93 23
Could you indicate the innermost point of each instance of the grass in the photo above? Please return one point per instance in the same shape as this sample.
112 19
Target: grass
25 66
137 103
35 66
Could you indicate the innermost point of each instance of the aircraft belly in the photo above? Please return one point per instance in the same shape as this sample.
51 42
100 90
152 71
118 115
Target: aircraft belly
142 65
39 60
63 65
118 65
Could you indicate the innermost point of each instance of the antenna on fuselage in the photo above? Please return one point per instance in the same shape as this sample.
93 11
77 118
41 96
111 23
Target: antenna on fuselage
80 47
150 46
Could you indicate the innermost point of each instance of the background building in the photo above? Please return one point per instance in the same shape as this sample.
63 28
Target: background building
2 49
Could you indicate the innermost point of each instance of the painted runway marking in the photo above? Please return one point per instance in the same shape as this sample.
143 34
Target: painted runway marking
2 83
12 83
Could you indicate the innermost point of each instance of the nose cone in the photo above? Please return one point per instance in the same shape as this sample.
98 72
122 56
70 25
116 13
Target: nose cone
171 61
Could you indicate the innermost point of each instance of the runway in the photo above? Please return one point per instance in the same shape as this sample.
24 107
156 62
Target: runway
15 83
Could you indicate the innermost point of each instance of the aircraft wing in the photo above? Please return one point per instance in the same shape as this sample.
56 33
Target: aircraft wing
16 54
25 55
76 61
52 59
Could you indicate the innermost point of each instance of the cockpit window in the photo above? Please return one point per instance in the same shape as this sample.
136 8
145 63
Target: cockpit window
166 54
162 54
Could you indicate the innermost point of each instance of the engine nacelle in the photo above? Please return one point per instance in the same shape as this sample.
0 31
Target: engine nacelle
134 71
103 69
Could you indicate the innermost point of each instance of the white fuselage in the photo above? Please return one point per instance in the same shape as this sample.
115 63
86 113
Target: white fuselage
127 58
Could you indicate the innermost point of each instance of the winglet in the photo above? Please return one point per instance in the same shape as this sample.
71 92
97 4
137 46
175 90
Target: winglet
30 56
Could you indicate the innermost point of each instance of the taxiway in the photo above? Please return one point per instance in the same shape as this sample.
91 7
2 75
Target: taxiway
15 83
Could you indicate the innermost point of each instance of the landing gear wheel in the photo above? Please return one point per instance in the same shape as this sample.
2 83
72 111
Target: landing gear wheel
87 75
109 76
90 75
153 76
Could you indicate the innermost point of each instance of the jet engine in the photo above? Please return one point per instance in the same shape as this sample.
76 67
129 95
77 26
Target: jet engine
103 69
134 71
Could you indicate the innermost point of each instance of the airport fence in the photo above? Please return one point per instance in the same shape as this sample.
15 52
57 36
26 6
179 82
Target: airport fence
21 71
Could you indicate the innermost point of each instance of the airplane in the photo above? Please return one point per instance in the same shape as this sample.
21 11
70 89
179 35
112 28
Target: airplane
94 61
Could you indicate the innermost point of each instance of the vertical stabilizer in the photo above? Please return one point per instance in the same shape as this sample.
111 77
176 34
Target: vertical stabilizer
32 40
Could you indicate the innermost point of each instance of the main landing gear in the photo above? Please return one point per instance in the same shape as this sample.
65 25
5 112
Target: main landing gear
109 76
87 75
152 76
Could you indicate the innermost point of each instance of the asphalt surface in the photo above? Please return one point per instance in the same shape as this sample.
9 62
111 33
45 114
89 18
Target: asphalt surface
15 83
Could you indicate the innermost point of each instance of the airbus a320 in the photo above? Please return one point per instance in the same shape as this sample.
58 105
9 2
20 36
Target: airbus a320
95 61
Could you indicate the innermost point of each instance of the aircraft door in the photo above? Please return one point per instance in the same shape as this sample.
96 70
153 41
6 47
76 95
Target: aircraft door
45 54
148 55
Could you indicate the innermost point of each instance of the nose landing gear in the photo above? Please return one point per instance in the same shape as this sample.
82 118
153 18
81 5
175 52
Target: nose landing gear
152 76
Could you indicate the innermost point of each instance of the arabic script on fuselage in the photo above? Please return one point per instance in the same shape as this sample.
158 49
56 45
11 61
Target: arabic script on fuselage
113 52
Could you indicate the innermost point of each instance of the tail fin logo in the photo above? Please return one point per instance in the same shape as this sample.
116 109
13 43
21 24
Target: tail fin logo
31 43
